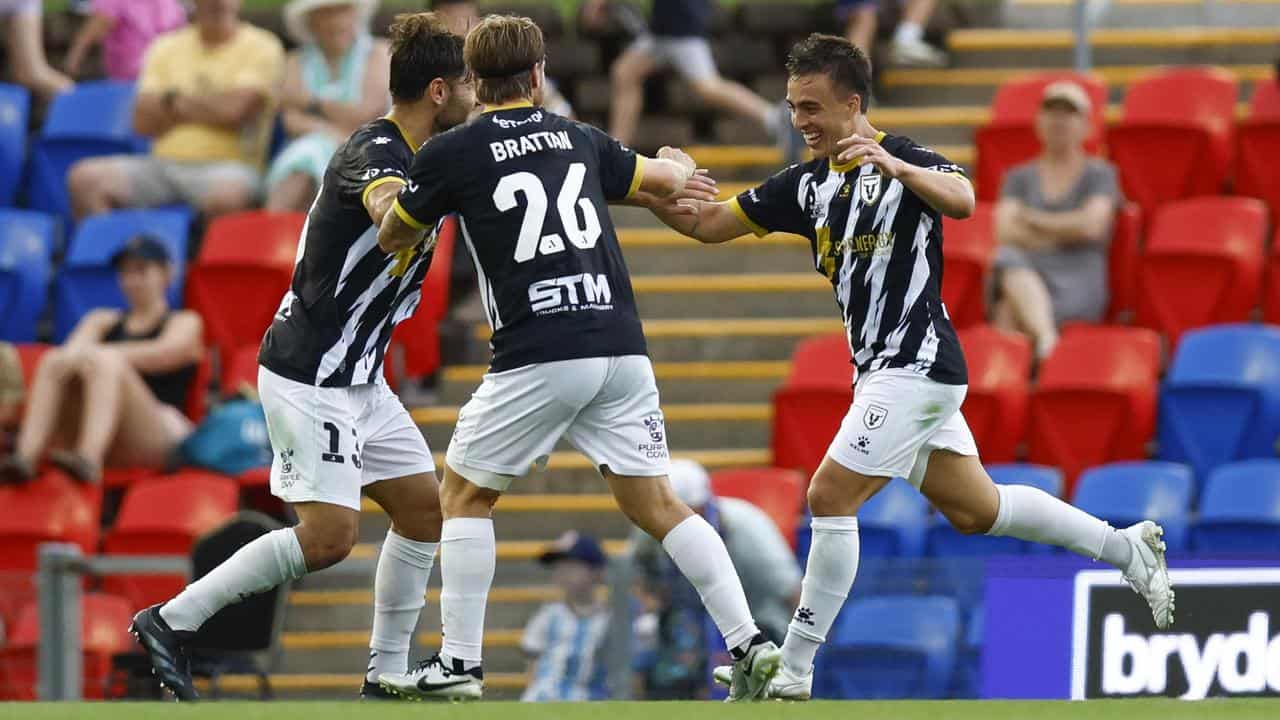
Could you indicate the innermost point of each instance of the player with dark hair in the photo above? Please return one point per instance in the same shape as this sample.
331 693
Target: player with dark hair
335 427
871 205
569 359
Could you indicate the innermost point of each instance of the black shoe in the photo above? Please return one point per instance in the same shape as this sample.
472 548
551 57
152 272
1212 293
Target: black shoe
15 471
77 466
164 648
374 691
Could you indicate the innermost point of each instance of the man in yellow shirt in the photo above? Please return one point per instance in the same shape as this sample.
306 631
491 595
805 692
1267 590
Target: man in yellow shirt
205 96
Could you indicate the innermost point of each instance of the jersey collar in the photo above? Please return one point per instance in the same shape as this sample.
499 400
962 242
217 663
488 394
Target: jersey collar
851 165
403 134
508 106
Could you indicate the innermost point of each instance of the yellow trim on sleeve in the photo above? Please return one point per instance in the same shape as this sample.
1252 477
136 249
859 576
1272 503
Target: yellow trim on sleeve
851 165
406 217
755 227
958 174
637 176
364 196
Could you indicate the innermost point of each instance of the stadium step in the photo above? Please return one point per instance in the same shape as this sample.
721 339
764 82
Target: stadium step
686 382
1145 14
519 519
689 425
497 686
709 340
661 251
977 85
1111 46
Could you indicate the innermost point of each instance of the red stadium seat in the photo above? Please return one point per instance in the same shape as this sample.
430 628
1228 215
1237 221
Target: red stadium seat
1096 400
165 516
1176 138
1202 264
809 406
243 271
968 249
415 345
1122 265
240 370
1258 146
1009 139
778 492
999 386
104 620
51 508
1271 299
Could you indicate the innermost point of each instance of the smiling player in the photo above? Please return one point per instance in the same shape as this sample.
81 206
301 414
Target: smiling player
871 205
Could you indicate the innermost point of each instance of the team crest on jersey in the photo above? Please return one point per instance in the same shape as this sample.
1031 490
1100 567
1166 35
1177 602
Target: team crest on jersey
874 416
869 188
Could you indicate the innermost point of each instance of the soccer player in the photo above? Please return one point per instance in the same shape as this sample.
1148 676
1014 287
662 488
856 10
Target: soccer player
569 357
871 205
335 427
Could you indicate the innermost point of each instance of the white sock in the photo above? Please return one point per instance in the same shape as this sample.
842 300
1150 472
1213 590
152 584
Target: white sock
697 549
1029 513
399 592
833 564
908 32
468 554
264 563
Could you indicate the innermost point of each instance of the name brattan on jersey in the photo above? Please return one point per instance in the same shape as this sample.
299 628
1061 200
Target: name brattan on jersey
532 191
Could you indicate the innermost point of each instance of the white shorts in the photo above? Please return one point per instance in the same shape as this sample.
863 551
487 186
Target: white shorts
606 407
331 442
898 418
689 56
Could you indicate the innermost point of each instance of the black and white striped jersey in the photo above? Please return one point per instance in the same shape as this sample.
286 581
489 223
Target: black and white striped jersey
880 246
347 295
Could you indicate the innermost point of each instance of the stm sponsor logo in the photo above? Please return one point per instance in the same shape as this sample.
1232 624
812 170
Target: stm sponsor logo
570 293
1245 662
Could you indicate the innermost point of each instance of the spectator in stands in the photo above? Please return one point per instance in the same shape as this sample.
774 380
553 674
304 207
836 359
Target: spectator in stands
334 82
1053 223
125 28
113 393
763 558
678 40
908 48
12 389
565 639
206 96
24 49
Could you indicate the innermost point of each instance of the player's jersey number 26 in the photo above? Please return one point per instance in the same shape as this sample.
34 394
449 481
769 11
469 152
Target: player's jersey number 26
583 230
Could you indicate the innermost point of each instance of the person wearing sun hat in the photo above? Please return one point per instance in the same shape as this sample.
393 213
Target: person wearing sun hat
335 81
1053 224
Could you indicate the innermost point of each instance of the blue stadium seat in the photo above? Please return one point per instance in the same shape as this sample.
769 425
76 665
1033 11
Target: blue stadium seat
968 679
87 280
943 541
1221 401
94 118
26 254
893 522
1240 509
1129 492
893 646
15 107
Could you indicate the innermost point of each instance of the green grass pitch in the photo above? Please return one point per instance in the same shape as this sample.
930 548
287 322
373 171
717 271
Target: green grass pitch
899 710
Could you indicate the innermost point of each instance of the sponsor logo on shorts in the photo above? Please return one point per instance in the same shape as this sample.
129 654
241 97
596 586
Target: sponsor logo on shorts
874 416
863 445
287 475
657 449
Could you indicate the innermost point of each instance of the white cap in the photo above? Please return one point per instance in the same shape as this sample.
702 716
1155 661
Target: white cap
691 483
295 16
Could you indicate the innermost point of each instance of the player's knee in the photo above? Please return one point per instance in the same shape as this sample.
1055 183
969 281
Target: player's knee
827 500
967 522
326 545
419 520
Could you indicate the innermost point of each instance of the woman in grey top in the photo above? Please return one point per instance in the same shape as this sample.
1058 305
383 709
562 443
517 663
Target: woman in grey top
1053 224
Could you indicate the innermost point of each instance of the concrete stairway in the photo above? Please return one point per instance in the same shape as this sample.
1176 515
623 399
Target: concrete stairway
722 322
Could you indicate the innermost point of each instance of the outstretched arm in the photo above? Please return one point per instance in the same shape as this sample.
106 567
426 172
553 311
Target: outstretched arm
947 192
